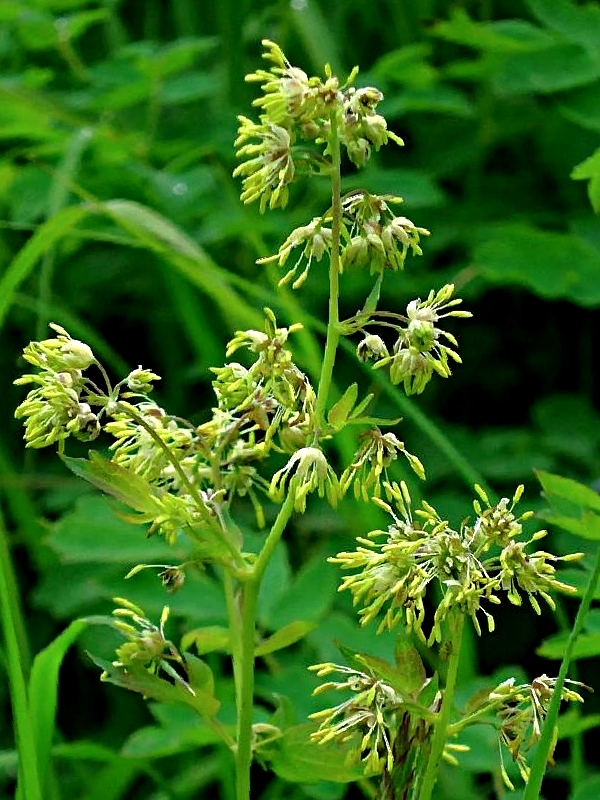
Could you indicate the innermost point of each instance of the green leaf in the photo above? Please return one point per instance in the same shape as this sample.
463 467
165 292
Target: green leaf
208 640
309 597
154 741
43 692
284 637
553 69
587 526
440 99
409 666
572 723
586 646
295 758
553 265
568 489
113 479
582 106
505 36
92 532
589 789
590 170
339 412
137 679
578 23
416 187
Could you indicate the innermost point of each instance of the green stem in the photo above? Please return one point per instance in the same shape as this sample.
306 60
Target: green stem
576 751
243 755
333 321
235 627
442 724
545 745
243 650
277 529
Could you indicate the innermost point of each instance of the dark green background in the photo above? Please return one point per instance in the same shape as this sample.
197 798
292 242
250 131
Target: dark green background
497 102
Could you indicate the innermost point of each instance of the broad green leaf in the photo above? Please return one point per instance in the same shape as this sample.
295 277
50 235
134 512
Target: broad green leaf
409 64
577 22
153 741
113 479
309 597
43 692
586 646
189 87
552 265
587 526
579 579
284 637
409 666
416 187
208 639
573 722
84 750
590 170
338 628
570 490
505 36
439 99
553 69
589 789
582 106
161 59
137 679
295 758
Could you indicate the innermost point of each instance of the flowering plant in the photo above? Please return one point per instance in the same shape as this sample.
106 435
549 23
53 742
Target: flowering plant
187 482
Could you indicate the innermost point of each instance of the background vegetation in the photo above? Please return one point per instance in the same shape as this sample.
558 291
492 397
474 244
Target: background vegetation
120 221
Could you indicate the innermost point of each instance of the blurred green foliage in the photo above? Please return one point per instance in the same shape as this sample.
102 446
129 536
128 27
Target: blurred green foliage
120 221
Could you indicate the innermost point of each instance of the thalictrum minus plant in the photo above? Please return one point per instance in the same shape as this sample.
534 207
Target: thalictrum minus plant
188 482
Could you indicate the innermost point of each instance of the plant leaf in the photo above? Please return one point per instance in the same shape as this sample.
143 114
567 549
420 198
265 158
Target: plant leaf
284 637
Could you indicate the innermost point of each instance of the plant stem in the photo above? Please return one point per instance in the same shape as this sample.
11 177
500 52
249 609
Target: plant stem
440 732
333 330
545 745
243 755
243 651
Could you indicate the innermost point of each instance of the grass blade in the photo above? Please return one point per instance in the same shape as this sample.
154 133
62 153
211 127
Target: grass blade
43 692
29 787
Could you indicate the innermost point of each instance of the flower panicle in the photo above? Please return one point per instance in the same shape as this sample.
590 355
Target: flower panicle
392 570
368 718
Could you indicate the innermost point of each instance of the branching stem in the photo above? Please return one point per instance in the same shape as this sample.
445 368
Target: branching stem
442 724
333 322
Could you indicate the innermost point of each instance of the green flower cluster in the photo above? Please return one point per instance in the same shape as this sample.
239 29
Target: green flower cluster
59 406
521 714
372 237
396 567
371 711
419 350
295 111
145 645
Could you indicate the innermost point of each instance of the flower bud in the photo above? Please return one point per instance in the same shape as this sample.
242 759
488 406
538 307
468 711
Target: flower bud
140 380
421 335
372 346
76 354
